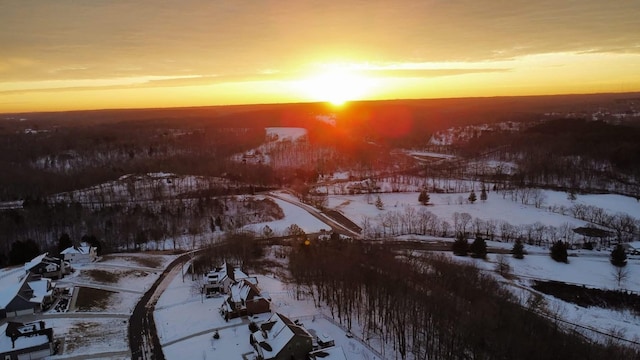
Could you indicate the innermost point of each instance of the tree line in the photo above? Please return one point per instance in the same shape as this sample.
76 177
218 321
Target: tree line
428 307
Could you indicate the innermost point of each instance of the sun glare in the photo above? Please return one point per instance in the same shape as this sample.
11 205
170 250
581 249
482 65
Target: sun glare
336 85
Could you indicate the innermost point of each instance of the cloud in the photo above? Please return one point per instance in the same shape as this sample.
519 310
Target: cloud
430 73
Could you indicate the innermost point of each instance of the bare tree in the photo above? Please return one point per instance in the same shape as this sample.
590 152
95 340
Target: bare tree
620 275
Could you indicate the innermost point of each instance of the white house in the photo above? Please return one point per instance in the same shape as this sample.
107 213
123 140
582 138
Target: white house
82 254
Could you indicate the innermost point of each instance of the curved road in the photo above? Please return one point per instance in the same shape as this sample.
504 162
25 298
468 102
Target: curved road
143 337
318 215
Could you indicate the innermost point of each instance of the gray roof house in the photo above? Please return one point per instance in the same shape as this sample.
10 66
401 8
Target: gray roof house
25 341
281 339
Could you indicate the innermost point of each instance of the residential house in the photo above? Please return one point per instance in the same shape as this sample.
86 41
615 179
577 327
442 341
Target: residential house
244 299
632 248
82 254
281 339
42 292
29 294
15 300
48 267
220 279
25 341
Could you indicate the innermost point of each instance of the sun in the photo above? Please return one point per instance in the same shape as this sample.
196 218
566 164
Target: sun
336 85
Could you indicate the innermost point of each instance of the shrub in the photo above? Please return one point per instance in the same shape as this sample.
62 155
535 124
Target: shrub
460 247
559 252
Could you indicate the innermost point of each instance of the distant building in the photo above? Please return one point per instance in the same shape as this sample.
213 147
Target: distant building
25 341
281 339
82 254
244 299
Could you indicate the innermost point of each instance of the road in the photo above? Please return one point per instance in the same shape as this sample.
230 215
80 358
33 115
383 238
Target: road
335 226
143 337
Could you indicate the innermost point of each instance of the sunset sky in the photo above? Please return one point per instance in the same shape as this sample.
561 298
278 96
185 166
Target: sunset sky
93 54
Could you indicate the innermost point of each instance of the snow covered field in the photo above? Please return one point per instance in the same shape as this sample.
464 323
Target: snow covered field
357 207
103 332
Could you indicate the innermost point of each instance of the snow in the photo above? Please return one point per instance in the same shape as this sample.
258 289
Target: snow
186 320
22 342
589 268
35 261
430 154
444 206
497 208
285 133
292 215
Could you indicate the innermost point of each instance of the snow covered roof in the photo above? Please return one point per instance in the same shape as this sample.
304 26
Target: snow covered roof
9 293
35 261
239 274
226 270
241 291
276 334
41 288
26 340
76 250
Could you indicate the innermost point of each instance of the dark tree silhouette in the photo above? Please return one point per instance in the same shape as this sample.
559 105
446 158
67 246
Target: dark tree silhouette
424 197
460 246
472 197
559 252
64 242
23 251
618 256
483 194
478 248
518 249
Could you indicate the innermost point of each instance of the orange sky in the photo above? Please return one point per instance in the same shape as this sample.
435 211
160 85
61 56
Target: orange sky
67 54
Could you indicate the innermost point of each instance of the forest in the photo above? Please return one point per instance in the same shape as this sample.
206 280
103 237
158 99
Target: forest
432 308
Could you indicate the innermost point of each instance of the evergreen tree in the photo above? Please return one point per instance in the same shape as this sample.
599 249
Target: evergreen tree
379 203
478 248
618 256
483 194
559 252
424 197
518 249
460 247
472 197
572 195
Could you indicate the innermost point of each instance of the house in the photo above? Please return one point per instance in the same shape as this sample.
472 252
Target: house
220 279
42 292
632 248
244 299
26 341
330 353
281 339
27 295
15 300
48 267
82 254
